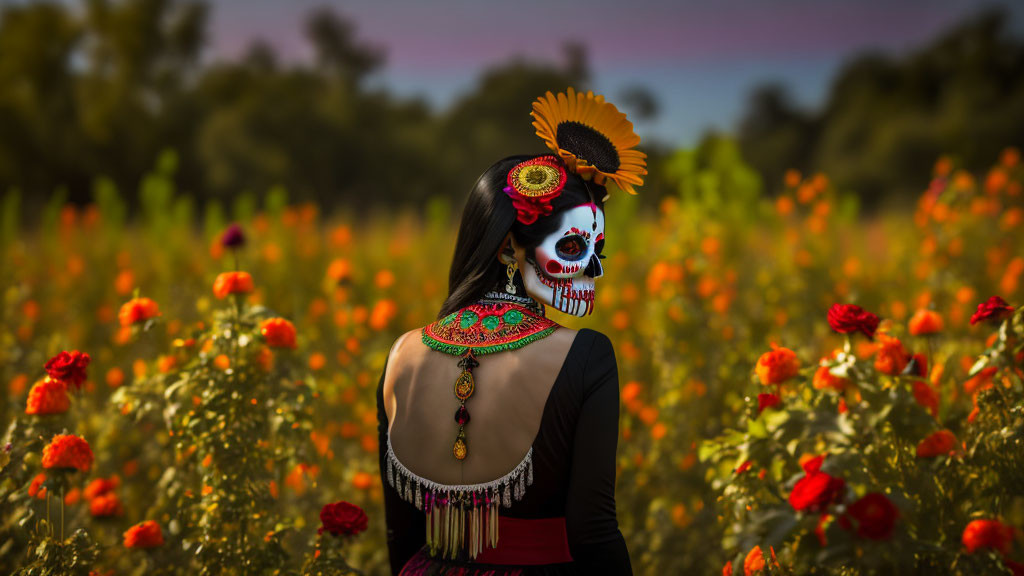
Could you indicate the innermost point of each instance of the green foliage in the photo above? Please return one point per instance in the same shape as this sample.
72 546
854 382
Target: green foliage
239 417
870 431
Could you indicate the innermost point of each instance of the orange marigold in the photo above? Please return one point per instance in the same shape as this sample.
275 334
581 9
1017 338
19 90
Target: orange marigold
980 381
994 534
754 562
937 444
68 451
106 505
777 366
232 283
101 486
278 333
144 535
925 322
34 489
48 396
137 310
825 380
892 357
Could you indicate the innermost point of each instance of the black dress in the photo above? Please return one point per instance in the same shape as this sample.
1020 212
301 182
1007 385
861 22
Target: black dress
573 471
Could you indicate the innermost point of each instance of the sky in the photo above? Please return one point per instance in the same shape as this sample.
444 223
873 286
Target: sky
699 59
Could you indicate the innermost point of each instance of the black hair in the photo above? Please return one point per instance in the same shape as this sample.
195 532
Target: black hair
488 217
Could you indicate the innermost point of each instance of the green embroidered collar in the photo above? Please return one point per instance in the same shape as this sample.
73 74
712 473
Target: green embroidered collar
487 326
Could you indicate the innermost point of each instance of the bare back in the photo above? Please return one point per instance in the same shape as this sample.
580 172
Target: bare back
512 388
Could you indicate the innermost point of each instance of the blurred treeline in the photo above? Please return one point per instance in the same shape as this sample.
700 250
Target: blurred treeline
887 119
100 88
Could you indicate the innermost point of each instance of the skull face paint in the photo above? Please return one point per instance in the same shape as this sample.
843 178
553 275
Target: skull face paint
564 265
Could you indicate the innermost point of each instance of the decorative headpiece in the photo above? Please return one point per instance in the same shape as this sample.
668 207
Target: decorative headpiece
592 138
533 184
589 137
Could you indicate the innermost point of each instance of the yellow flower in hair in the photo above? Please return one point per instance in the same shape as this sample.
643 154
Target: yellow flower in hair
591 137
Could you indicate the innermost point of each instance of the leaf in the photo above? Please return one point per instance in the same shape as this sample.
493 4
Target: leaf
981 363
174 388
756 428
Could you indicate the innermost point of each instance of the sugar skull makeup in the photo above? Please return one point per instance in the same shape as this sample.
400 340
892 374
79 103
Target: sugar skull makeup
563 267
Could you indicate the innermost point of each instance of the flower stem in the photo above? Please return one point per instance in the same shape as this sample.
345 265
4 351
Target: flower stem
62 514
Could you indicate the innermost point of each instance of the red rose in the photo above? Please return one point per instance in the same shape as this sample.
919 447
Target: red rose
69 368
874 515
937 444
817 490
67 451
994 309
926 397
342 519
765 401
850 318
144 535
988 534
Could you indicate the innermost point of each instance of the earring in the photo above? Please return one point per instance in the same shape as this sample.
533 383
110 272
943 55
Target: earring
510 287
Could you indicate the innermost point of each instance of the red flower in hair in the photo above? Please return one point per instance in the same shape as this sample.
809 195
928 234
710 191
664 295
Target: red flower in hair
533 184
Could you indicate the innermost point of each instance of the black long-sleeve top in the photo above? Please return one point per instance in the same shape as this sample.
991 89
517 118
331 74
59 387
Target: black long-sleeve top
573 462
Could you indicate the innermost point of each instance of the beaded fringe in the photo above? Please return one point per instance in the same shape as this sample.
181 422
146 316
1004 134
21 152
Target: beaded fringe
460 517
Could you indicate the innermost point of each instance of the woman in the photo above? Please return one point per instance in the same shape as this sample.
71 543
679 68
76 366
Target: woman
522 479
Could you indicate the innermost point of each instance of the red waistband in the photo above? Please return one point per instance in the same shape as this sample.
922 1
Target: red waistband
528 541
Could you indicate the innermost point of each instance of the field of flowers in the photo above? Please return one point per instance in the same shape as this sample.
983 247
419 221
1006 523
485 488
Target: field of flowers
224 421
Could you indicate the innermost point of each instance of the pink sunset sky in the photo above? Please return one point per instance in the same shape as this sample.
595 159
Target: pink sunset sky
699 59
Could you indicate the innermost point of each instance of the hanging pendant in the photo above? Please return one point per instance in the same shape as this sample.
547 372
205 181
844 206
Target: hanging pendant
464 385
459 450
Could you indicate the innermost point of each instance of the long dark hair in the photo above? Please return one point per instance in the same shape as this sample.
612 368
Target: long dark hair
488 217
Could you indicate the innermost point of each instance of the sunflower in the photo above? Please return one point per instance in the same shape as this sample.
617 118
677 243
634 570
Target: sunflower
591 136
